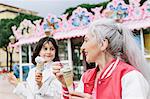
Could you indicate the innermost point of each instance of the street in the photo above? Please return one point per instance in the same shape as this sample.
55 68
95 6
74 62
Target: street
6 89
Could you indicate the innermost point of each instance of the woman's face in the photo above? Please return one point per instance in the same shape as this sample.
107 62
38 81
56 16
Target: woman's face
91 48
48 52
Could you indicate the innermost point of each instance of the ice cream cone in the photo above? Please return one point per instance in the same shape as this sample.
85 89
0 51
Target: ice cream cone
68 76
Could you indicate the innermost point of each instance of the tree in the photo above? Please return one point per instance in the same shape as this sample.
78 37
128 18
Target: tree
141 2
6 31
4 35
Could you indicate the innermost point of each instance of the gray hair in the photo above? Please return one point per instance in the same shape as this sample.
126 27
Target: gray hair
121 43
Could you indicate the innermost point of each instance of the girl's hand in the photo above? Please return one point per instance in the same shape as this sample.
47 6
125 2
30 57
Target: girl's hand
78 95
12 79
38 79
56 70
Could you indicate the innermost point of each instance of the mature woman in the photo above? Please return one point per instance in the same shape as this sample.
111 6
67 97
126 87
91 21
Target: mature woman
121 70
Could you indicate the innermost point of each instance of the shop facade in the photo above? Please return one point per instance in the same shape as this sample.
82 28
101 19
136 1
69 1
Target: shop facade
69 32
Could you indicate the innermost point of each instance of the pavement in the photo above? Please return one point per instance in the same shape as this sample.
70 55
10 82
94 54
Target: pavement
6 89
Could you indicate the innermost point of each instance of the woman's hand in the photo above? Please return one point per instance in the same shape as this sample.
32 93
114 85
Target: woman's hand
12 79
78 95
38 79
56 70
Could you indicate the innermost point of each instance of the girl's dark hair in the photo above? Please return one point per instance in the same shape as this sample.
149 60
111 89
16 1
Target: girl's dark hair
39 47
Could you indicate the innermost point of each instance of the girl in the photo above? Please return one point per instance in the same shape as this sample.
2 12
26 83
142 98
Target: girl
41 85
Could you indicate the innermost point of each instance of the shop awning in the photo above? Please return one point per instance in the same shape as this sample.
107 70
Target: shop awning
57 36
137 24
70 34
24 41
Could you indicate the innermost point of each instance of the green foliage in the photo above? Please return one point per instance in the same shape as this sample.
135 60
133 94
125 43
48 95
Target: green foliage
141 2
126 1
6 24
70 10
21 17
5 32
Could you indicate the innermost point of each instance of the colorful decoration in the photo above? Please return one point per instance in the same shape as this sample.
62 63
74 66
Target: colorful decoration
38 28
146 8
132 15
136 12
28 32
97 14
64 25
116 9
25 29
52 23
80 17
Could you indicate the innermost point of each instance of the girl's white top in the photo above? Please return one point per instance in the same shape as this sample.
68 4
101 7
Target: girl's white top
51 88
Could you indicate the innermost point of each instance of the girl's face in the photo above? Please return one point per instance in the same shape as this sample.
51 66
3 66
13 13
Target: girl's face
48 51
91 48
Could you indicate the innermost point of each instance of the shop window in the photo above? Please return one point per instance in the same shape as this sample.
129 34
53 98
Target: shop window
63 52
144 42
77 57
137 37
25 54
147 41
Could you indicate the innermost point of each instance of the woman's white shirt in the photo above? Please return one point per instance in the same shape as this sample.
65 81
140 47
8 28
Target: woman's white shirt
134 86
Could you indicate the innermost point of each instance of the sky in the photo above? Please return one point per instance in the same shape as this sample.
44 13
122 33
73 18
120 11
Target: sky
43 7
